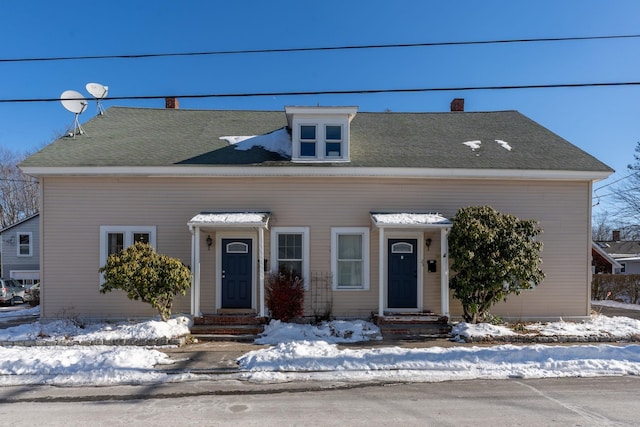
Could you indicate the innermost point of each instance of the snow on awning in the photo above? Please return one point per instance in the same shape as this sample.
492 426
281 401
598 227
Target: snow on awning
410 220
230 219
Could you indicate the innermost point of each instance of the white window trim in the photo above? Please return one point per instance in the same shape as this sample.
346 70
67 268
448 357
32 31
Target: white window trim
335 232
24 233
305 250
128 231
320 122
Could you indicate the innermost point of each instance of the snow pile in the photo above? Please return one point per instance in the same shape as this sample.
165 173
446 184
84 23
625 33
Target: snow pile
80 365
67 329
338 331
320 360
278 141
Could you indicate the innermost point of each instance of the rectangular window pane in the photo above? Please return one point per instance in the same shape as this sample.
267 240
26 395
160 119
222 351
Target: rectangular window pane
308 149
308 132
350 273
24 239
350 247
334 149
290 246
293 267
141 237
115 243
333 133
24 250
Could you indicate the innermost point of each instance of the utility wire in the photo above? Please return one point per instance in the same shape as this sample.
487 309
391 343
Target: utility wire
316 49
337 92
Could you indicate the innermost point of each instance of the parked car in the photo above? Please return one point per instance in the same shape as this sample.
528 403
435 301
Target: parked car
32 294
11 291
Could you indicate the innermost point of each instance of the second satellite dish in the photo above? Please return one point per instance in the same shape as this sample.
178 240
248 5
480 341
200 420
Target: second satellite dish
74 101
99 92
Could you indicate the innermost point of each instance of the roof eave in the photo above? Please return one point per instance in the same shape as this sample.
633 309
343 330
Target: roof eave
267 171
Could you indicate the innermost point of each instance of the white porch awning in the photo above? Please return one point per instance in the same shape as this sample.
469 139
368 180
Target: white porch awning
230 219
420 221
207 221
410 220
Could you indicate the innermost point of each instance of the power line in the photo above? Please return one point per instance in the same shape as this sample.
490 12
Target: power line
338 92
317 49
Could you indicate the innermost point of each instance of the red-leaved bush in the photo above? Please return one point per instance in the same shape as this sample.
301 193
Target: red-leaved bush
284 296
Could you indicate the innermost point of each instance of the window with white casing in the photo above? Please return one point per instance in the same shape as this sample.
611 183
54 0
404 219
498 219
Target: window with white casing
25 244
290 251
350 258
115 238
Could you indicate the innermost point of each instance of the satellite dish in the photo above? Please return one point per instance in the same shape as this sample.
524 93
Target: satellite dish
99 92
74 101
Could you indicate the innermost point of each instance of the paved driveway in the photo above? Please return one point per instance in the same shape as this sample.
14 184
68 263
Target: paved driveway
614 311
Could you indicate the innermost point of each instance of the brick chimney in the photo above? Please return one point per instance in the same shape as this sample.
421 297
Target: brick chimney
171 103
615 235
457 104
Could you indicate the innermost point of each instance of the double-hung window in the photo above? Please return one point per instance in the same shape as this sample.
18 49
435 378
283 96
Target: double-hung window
290 251
350 258
308 140
25 244
115 238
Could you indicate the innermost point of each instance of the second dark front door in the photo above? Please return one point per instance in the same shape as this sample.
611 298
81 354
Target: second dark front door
402 279
236 273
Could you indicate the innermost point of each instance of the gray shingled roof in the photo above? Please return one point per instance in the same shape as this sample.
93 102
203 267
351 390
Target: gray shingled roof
162 137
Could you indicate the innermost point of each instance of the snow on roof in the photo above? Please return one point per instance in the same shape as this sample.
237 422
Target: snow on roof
474 145
247 219
277 141
504 144
409 219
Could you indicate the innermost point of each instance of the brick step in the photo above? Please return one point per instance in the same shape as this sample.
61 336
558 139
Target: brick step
230 319
415 331
411 318
226 329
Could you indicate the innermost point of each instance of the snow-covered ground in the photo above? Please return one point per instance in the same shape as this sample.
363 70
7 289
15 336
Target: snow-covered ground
303 352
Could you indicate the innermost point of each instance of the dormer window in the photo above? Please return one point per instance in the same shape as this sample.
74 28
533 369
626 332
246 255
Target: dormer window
320 134
333 140
308 141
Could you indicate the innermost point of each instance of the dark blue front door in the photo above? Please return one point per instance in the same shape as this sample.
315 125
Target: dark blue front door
236 273
402 279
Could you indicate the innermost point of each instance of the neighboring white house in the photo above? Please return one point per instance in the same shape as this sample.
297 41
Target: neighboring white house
20 250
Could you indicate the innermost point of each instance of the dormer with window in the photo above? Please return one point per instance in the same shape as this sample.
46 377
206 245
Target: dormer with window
320 134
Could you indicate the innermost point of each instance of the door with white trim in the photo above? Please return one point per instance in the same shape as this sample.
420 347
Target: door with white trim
402 273
237 273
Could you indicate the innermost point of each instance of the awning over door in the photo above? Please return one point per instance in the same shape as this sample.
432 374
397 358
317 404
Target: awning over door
225 220
410 220
230 219
414 221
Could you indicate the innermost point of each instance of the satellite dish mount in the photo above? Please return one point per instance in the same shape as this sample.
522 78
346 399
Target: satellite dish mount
74 102
99 92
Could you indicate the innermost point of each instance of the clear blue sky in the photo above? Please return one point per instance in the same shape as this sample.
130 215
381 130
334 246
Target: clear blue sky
603 121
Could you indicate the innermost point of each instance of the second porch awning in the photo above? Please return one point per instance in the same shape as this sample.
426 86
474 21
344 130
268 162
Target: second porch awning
410 220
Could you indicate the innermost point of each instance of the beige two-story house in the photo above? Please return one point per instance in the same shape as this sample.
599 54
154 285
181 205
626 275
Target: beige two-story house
359 204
